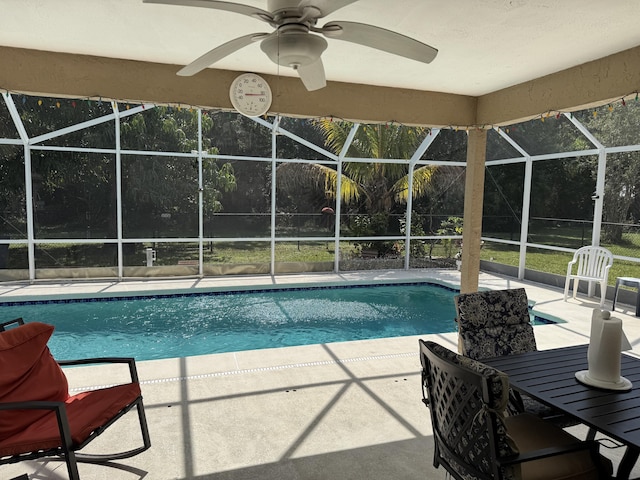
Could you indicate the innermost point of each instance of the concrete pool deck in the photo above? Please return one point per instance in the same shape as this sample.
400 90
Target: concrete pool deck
349 410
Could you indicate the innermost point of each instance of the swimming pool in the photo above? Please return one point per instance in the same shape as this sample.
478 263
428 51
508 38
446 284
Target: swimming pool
166 326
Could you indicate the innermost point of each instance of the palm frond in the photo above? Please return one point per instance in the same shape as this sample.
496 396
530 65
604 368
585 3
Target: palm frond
421 181
318 176
380 183
335 133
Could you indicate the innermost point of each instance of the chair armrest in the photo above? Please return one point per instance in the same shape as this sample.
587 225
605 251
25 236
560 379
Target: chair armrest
60 410
11 323
570 266
577 446
32 405
130 361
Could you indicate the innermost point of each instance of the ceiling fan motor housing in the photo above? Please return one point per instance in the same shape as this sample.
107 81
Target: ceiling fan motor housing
293 49
278 5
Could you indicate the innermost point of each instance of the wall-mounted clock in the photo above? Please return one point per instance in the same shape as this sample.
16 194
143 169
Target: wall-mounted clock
250 95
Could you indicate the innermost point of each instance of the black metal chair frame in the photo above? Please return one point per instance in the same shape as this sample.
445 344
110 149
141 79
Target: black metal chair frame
471 385
68 450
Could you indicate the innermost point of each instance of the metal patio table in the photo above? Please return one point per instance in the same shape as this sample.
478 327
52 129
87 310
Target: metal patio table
549 376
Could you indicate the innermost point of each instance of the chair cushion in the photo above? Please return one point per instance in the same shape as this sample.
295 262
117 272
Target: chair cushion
530 433
494 308
28 372
85 411
494 323
497 341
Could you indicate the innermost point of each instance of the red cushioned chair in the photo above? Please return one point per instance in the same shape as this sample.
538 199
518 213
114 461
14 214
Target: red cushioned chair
38 417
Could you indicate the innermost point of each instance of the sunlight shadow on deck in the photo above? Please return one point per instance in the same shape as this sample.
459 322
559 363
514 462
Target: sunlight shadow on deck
294 429
407 459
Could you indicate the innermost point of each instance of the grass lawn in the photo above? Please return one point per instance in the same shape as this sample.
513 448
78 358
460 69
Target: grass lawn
556 262
68 255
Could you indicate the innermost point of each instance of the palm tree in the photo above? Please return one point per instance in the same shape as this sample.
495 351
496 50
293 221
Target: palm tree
372 187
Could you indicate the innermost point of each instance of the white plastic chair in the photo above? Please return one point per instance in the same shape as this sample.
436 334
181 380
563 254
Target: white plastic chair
593 266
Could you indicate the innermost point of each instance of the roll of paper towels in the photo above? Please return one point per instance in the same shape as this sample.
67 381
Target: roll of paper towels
606 343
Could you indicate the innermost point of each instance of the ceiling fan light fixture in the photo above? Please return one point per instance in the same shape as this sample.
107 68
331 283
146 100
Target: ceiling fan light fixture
297 42
294 49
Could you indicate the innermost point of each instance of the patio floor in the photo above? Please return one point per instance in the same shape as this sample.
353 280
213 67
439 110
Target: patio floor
348 410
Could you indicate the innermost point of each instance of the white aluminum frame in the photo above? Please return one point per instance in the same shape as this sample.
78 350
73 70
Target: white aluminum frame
35 143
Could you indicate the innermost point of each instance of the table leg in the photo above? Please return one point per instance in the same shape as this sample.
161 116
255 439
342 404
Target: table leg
626 464
615 295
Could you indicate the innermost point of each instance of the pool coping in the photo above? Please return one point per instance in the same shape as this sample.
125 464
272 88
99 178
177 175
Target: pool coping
205 291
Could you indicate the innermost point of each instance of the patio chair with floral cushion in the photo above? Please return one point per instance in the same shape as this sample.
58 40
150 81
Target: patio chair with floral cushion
38 417
495 323
475 438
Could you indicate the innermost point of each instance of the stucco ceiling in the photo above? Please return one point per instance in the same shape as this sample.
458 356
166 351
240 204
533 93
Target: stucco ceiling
484 45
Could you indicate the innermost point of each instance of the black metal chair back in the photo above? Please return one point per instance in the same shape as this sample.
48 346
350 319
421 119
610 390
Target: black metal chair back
467 400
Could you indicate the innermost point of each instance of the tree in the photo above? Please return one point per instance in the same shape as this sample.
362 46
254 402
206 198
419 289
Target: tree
76 191
444 196
70 189
155 185
235 134
371 187
562 188
616 126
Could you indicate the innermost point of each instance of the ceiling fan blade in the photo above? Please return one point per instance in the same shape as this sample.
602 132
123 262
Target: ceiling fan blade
312 75
380 39
326 7
219 53
227 6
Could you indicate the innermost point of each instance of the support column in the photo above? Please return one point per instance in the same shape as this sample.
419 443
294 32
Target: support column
473 201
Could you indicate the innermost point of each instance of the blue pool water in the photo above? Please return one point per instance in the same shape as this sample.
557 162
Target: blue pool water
167 326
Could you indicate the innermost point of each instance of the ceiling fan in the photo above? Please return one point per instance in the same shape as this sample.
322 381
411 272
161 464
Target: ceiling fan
294 42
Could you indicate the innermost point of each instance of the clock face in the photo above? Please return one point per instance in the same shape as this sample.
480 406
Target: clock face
250 95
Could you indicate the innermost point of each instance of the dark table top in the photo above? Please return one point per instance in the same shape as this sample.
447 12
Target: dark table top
549 376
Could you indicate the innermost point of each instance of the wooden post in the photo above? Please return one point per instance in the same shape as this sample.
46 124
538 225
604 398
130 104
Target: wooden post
473 201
